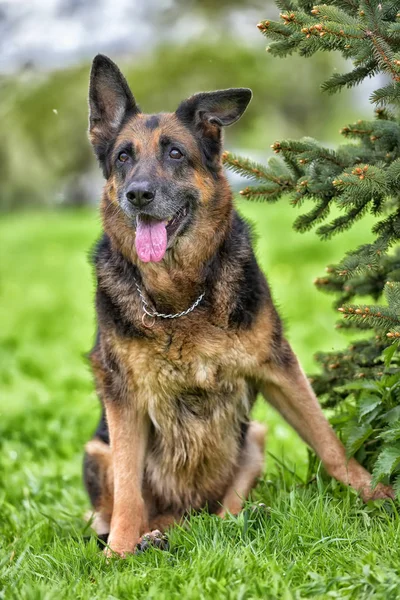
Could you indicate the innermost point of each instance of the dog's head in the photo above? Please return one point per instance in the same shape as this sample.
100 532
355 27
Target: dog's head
161 169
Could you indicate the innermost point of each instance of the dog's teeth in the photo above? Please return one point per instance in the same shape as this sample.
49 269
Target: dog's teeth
182 212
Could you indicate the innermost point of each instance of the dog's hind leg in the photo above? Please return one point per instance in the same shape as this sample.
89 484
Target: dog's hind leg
285 386
98 478
250 467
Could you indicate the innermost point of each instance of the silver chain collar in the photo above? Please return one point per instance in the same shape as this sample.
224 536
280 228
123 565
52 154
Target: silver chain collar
153 313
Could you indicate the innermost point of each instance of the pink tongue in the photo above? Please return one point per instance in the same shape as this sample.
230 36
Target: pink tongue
151 240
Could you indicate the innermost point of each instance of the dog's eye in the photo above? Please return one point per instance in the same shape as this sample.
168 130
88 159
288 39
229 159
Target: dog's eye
123 157
175 153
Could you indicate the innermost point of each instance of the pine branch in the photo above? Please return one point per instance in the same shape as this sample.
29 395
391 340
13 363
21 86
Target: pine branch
350 6
268 192
275 172
343 222
389 94
339 25
378 317
286 5
351 79
307 221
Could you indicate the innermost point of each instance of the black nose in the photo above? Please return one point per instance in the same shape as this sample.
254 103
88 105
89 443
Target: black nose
140 193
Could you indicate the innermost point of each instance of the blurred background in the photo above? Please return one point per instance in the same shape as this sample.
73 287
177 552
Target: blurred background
168 49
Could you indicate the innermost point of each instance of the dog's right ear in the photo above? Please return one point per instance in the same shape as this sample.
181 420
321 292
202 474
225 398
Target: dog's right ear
110 101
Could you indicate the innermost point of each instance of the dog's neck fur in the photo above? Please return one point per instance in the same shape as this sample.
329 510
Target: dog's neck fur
179 279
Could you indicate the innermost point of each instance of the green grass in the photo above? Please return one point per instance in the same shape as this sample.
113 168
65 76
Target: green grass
315 541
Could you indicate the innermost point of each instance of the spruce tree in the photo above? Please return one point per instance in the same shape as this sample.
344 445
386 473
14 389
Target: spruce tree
359 177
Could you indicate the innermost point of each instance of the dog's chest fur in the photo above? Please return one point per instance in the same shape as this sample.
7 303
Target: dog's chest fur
185 382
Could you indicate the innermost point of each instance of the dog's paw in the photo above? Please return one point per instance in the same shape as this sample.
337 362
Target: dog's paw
110 553
119 548
115 552
380 492
153 538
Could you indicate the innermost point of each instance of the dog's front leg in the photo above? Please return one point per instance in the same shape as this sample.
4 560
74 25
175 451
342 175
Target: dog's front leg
285 386
128 440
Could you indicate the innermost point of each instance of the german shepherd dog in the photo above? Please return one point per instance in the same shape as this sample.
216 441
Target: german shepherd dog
187 331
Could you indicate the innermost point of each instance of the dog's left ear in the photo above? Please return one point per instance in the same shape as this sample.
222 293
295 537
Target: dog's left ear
206 113
220 108
110 101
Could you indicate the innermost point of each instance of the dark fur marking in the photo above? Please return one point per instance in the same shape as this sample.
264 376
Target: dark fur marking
111 311
111 316
102 429
194 402
104 148
251 295
91 469
91 478
284 354
115 383
164 140
105 257
253 390
127 147
152 122
209 146
244 426
251 291
168 342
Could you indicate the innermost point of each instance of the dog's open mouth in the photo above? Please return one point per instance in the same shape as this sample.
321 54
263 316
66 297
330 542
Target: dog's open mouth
152 235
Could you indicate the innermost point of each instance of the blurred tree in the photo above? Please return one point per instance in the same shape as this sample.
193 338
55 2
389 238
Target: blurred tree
359 178
210 7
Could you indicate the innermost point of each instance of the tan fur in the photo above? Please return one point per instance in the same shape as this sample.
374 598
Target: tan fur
291 394
128 440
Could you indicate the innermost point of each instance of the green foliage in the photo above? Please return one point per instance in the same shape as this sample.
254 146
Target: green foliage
356 180
367 32
369 423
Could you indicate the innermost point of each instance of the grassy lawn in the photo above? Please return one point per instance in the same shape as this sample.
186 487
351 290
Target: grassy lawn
315 541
